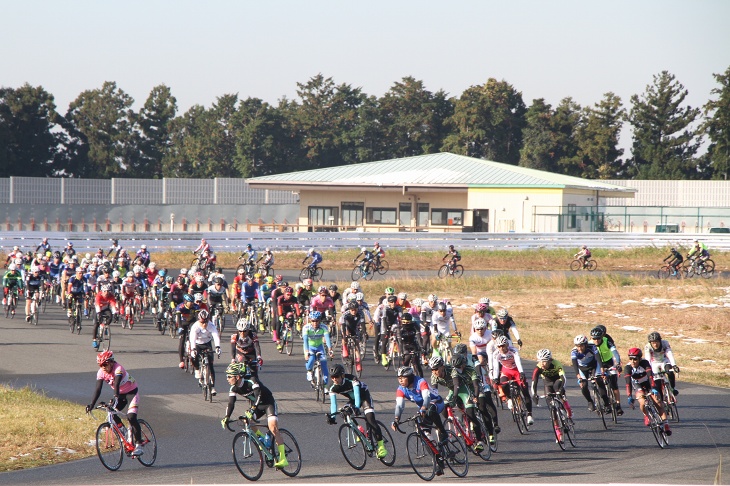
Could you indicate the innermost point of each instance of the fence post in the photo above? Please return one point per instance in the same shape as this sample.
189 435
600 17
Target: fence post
223 224
235 224
70 224
197 225
32 224
210 225
20 224
646 226
45 224
146 225
108 224
284 225
159 224
83 224
121 224
248 225
7 224
58 224
184 224
96 226
133 225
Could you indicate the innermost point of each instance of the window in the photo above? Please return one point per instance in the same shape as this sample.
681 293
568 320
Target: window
381 215
422 214
572 217
404 214
322 216
352 213
447 217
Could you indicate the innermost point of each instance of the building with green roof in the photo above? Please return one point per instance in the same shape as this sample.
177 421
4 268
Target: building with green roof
438 192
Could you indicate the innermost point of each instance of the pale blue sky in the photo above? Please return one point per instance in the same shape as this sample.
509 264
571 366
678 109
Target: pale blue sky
545 49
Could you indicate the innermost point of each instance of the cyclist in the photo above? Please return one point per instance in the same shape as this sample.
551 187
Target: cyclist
305 292
354 288
199 286
335 295
266 290
659 353
151 273
203 335
388 292
69 251
415 389
505 323
676 260
583 255
403 302
409 342
262 402
217 297
268 257
454 256
12 281
358 397
478 342
33 283
368 257
379 253
390 316
245 347
586 364
699 250
427 312
469 376
185 315
125 393
316 336
609 358
481 311
554 377
250 293
202 247
442 325
249 255
104 300
75 289
316 258
236 287
54 270
639 378
45 246
116 248
143 256
508 366
353 322
324 304
286 304
129 290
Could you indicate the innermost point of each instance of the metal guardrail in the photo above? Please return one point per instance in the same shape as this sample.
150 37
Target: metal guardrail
222 241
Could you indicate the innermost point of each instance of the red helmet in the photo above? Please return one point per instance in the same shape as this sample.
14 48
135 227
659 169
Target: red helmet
635 353
105 357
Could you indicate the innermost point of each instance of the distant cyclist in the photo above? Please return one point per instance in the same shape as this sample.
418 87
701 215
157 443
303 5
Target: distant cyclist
454 257
676 260
583 255
316 258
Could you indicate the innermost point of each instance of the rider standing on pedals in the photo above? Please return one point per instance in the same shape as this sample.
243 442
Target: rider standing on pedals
358 397
639 378
245 347
586 363
659 353
203 336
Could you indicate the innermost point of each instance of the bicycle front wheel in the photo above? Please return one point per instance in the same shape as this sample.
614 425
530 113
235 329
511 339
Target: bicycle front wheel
389 459
421 457
443 271
304 274
352 447
149 444
247 456
568 427
289 343
109 447
105 342
575 265
356 273
291 449
598 403
455 456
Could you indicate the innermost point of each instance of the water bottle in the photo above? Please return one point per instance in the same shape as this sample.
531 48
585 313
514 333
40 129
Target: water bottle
267 440
362 430
123 429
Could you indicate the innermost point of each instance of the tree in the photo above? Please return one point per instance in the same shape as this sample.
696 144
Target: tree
153 140
598 137
488 122
717 127
665 144
100 126
538 146
28 137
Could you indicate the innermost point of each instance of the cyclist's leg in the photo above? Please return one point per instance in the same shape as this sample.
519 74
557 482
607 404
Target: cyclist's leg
369 412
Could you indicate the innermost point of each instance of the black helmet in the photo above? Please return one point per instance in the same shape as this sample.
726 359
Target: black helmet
441 306
353 306
337 370
407 318
405 371
458 360
654 336
333 288
597 333
392 298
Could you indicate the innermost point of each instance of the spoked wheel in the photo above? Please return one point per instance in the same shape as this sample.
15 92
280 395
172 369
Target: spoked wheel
671 407
658 429
353 449
291 449
305 274
289 344
109 447
568 427
516 416
591 265
443 271
486 453
575 265
600 408
558 429
389 459
664 273
458 271
384 267
356 273
247 456
421 457
149 444
455 456
317 274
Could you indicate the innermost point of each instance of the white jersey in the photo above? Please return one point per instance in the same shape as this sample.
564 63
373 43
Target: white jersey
510 360
203 333
442 324
659 358
480 342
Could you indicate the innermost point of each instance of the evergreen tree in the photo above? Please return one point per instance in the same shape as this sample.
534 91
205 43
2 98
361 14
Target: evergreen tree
717 128
598 138
154 131
538 146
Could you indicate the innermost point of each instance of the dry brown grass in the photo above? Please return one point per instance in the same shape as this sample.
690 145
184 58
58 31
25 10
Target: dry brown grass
37 430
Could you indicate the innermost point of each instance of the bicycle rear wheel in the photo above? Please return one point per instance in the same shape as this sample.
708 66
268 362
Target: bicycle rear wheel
456 456
591 265
109 447
247 456
291 449
384 267
421 457
664 272
458 271
352 447
317 274
149 444
598 403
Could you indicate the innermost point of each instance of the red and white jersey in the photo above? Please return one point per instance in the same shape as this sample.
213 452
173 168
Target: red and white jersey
510 360
102 302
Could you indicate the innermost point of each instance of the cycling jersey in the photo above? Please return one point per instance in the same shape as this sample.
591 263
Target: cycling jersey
314 338
553 375
250 291
419 393
215 296
319 304
509 360
586 364
33 283
316 258
442 324
304 294
480 342
608 353
76 285
408 337
351 323
127 383
54 269
246 345
658 358
203 333
509 324
143 255
639 377
103 302
288 305
250 255
260 397
351 387
151 274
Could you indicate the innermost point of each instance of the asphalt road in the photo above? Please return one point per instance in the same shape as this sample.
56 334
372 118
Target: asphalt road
194 449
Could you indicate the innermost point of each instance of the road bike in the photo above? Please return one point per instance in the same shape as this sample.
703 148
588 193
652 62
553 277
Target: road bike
443 345
351 356
363 270
104 332
206 374
427 456
286 337
655 421
451 270
11 303
247 266
35 304
519 409
464 427
77 311
357 443
669 399
318 378
668 271
333 328
601 408
114 441
315 273
562 425
695 266
250 451
392 352
589 265
219 318
383 267
614 404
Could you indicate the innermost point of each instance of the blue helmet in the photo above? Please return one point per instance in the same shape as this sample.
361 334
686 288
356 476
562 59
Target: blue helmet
188 298
162 272
315 316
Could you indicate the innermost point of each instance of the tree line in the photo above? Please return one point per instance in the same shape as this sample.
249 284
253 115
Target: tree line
330 124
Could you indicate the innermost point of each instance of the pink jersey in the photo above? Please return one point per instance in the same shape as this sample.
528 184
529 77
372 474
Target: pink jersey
125 386
320 304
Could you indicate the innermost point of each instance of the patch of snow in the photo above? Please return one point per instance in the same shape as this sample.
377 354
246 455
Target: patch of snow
711 361
695 341
621 316
565 306
630 302
591 312
632 328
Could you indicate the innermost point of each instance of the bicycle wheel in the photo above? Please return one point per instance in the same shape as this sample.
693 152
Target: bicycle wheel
518 419
458 271
79 313
591 265
656 426
44 301
356 273
559 434
289 343
575 265
455 456
443 271
291 449
305 274
352 447
34 313
317 274
389 459
568 427
109 447
598 403
384 267
421 457
369 274
247 456
486 453
664 272
710 265
317 377
705 272
149 444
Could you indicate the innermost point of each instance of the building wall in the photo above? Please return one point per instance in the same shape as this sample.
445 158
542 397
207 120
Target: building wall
706 194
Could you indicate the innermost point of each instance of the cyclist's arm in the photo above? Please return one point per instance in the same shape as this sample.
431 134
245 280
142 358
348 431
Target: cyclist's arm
97 391
535 377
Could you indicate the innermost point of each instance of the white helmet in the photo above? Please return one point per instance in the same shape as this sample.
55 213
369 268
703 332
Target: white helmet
484 300
501 341
544 355
92 268
12 267
267 249
311 250
143 247
363 249
88 256
95 260
402 296
116 274
480 324
138 269
351 297
417 302
355 286
359 296
153 265
16 248
432 298
183 271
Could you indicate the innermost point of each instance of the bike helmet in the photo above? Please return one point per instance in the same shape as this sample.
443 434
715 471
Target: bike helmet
407 318
441 307
92 268
333 288
351 297
307 282
12 267
359 296
481 308
436 361
143 247
584 247
288 290
241 324
315 316
337 370
451 247
106 288
236 369
81 270
269 280
104 357
183 271
597 333
458 360
635 353
162 272
355 286
363 249
544 355
257 276
353 306
480 324
322 289
310 251
203 315
501 341
267 249
392 299
402 296
138 269
460 349
496 333
417 302
169 279
389 291
432 298
654 336
502 313
116 274
240 271
404 371
602 328
580 339
484 300
248 247
188 298
198 298
279 278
